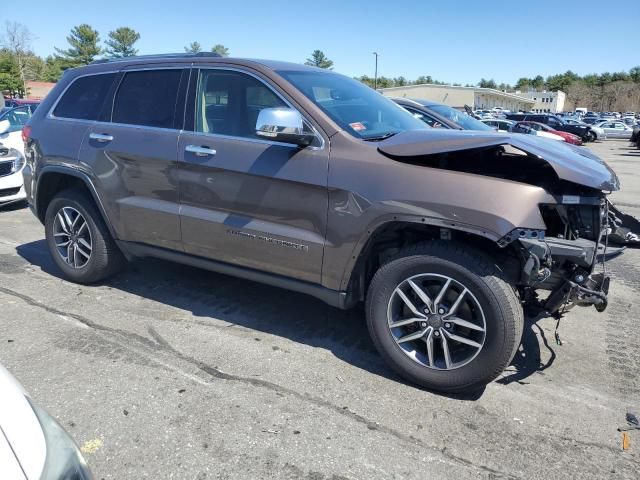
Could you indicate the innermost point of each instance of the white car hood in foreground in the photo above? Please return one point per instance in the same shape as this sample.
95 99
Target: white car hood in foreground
20 434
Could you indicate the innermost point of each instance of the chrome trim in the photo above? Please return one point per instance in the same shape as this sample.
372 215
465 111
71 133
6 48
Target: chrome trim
100 137
192 66
200 151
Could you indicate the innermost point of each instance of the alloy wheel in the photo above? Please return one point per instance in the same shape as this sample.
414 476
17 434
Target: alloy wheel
436 321
72 237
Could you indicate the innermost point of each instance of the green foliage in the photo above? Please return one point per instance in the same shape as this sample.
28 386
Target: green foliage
120 43
487 83
194 47
10 80
220 50
319 59
83 49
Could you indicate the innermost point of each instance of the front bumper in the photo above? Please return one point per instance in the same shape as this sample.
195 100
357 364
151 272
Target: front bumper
12 188
565 268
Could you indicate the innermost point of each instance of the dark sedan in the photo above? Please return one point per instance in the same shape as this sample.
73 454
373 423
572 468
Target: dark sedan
437 115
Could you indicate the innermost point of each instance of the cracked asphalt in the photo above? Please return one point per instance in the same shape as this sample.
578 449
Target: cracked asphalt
167 371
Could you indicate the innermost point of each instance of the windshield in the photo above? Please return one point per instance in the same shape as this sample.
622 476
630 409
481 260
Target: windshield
461 118
358 109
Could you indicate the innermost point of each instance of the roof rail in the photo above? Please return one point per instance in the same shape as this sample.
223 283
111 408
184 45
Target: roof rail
159 55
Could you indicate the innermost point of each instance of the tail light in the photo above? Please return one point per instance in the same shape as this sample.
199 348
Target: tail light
26 133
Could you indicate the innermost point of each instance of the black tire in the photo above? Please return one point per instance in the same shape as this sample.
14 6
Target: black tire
590 137
105 260
498 300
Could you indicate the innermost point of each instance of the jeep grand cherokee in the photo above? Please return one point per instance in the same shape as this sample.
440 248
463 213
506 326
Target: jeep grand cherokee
308 180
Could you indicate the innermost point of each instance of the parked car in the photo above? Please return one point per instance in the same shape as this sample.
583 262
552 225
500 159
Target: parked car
12 157
566 136
499 124
11 122
583 131
420 110
635 133
21 102
592 120
615 129
438 115
527 128
309 180
32 444
600 133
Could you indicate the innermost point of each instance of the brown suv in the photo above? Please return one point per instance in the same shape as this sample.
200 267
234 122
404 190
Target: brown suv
308 180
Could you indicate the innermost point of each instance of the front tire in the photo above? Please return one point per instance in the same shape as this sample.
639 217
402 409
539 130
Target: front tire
590 137
443 317
78 239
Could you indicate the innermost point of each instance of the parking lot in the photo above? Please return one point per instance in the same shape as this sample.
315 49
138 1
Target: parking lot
167 371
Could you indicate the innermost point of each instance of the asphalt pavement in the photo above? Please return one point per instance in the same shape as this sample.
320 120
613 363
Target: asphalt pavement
169 372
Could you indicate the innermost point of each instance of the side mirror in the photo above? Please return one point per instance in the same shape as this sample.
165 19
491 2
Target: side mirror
283 125
4 126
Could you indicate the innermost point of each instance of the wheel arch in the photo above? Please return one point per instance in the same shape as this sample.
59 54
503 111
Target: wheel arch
383 240
54 179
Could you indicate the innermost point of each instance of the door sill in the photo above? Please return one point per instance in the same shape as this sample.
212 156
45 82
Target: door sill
333 298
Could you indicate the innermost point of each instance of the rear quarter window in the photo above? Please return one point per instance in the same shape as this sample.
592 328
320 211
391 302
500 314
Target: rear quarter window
84 98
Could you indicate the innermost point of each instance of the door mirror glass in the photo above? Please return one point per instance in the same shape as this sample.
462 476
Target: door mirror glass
283 125
4 126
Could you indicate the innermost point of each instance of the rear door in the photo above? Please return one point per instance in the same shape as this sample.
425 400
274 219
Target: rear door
246 200
134 155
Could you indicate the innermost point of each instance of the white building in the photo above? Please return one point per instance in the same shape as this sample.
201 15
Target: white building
458 97
546 102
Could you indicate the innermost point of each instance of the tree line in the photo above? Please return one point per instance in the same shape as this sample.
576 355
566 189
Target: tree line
19 64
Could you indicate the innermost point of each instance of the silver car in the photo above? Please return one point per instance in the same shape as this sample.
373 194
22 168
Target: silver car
615 129
600 133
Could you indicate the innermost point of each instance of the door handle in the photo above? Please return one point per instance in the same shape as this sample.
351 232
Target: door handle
101 137
200 151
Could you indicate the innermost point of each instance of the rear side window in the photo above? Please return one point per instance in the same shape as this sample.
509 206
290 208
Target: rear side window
148 98
84 99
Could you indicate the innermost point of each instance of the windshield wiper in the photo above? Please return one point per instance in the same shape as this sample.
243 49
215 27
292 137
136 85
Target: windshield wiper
381 137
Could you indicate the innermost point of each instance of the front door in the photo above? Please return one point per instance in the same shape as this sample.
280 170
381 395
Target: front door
134 157
244 200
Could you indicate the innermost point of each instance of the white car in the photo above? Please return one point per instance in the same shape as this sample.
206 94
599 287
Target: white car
499 124
12 157
33 446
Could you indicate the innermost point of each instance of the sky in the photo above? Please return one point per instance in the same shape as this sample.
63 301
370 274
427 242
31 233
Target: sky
453 41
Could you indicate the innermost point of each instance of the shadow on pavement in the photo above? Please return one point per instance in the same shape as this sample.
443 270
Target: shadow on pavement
262 308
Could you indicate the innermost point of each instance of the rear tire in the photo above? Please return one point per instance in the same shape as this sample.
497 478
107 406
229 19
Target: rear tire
78 239
488 302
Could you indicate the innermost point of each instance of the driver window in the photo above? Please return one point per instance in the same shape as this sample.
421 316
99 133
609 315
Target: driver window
228 103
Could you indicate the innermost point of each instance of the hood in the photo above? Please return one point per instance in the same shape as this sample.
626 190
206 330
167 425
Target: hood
573 164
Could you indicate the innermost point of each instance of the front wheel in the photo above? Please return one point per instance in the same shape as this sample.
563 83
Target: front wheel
443 318
590 137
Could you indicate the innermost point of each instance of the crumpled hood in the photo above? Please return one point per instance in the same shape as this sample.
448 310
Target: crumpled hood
574 164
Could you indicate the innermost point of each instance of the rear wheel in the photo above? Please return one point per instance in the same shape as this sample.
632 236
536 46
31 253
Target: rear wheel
78 239
443 317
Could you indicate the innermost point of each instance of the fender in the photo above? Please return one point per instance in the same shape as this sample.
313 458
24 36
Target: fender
77 173
386 220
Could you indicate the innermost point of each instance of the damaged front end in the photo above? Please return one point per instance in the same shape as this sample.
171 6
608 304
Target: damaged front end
579 221
563 259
